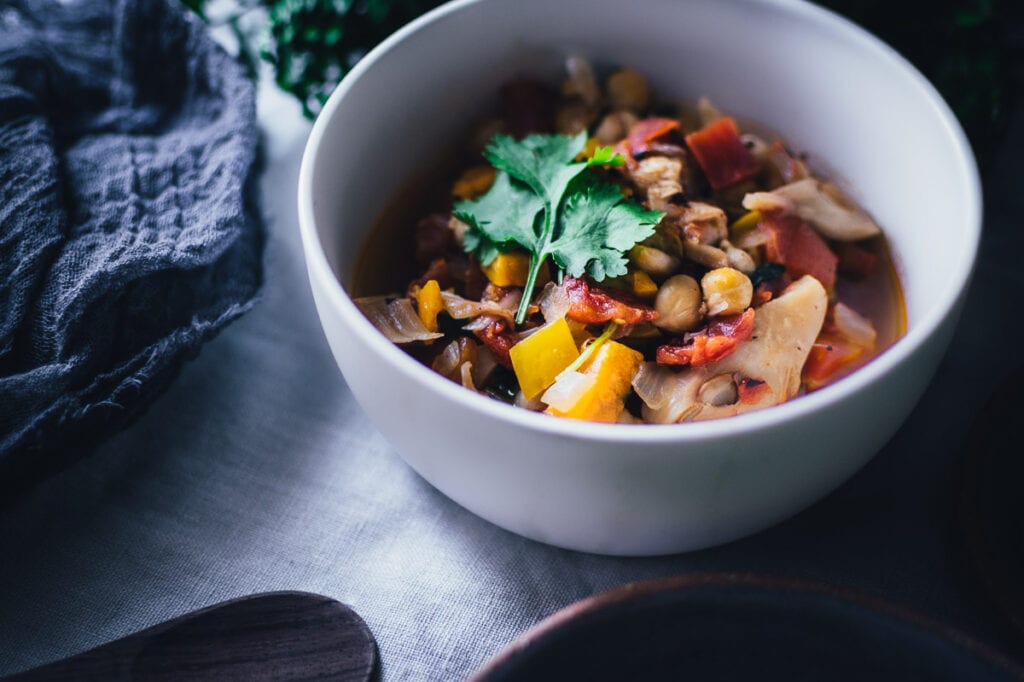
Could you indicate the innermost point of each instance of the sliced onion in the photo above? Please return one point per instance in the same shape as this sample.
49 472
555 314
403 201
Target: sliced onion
668 396
396 320
480 323
448 360
484 365
854 326
567 390
462 308
652 384
553 302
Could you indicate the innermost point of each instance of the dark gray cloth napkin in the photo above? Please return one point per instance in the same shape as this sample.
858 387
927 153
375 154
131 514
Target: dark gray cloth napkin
128 235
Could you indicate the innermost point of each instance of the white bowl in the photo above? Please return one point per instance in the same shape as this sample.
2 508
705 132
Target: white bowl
827 86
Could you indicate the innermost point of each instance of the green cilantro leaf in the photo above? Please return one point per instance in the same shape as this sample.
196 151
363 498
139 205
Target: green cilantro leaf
598 225
499 220
541 201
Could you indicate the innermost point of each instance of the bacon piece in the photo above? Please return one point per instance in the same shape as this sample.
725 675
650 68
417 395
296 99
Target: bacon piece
795 244
591 305
751 391
434 239
497 336
721 154
644 137
713 343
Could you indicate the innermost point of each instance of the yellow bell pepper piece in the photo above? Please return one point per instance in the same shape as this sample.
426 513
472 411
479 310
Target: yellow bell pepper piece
429 304
642 284
510 270
542 356
745 222
474 182
614 366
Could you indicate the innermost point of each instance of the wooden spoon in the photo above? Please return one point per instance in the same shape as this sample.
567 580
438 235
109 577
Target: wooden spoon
271 636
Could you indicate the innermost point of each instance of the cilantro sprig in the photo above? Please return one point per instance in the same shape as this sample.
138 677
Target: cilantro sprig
543 201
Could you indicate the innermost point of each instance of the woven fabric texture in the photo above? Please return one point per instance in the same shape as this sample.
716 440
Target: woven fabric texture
127 235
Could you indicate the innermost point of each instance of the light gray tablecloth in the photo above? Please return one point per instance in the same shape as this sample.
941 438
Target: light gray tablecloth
258 471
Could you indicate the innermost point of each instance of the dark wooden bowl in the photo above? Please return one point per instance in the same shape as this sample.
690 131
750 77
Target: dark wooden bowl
725 626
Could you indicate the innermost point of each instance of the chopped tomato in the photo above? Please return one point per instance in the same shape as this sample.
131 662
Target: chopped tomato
499 339
829 355
795 244
643 135
590 304
717 341
721 154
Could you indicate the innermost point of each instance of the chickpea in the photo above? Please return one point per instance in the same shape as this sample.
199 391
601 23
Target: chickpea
627 89
679 304
654 262
727 291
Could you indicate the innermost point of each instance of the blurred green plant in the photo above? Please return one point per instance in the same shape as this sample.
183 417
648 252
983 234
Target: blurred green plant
312 44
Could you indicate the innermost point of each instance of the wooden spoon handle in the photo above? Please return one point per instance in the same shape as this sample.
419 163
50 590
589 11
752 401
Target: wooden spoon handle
271 636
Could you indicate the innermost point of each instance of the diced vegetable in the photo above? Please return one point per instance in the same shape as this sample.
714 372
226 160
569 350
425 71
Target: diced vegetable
642 284
721 154
474 182
541 356
747 221
796 245
613 367
429 303
567 391
830 354
510 269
